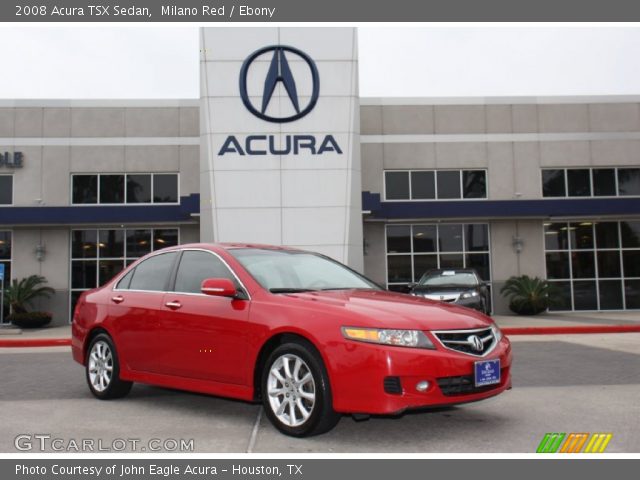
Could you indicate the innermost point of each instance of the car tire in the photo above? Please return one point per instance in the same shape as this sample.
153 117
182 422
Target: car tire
103 369
296 393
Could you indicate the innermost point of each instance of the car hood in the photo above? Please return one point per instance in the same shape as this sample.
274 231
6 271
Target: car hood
432 290
382 309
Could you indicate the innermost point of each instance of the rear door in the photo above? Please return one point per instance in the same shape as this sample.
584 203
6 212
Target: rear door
205 336
135 308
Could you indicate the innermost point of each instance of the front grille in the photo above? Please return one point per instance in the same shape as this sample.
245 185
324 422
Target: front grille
392 385
476 342
462 385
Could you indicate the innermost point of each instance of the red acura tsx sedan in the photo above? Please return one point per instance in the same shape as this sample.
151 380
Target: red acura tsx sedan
305 335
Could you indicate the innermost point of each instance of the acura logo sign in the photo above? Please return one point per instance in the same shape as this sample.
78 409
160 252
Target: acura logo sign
280 73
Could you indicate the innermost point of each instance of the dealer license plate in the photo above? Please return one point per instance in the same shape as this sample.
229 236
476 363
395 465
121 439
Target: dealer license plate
487 372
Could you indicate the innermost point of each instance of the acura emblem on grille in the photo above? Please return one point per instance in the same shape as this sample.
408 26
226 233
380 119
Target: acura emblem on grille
478 342
475 342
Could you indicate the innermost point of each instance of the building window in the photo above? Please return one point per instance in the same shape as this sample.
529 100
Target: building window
6 189
5 259
435 184
594 265
119 189
99 255
590 182
412 250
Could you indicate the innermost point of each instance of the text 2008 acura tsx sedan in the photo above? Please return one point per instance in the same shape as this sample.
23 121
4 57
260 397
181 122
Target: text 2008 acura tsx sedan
309 337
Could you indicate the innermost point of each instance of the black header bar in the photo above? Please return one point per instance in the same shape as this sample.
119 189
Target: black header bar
225 11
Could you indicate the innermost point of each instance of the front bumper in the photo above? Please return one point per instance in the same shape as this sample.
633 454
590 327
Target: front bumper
358 377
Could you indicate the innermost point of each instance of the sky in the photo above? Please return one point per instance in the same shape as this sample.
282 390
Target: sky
441 61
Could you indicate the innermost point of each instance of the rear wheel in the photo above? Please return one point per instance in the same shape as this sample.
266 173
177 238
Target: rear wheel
103 369
296 391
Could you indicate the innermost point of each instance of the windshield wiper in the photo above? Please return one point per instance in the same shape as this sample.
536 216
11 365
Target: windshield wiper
291 290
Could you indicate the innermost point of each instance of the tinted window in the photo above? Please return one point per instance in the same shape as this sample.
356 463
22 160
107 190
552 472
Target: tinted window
449 184
83 274
6 189
5 245
111 188
607 235
604 182
397 185
553 183
83 243
153 273
629 181
477 237
579 183
423 185
424 238
398 238
474 184
195 267
111 243
85 189
138 188
138 243
450 238
125 281
165 238
165 188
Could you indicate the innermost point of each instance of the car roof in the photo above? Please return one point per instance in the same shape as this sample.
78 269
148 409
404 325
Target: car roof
234 246
457 270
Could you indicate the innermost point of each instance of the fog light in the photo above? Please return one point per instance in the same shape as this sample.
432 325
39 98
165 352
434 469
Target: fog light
422 386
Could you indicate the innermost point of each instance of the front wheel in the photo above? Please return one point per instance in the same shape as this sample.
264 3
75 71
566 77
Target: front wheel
103 369
296 391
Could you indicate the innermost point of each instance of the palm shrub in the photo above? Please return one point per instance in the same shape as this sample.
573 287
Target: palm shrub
20 294
529 295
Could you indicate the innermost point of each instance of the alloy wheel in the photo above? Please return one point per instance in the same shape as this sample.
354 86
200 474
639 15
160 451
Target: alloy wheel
291 390
100 366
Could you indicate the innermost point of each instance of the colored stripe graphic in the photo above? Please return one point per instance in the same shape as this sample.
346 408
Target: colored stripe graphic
550 443
598 443
574 442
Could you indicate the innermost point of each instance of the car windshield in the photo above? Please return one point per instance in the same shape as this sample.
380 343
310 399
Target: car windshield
282 271
462 279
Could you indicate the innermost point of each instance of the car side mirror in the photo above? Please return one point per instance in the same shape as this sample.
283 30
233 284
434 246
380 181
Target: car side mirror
409 287
219 287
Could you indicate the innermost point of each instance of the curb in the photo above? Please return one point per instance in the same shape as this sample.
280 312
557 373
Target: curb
569 330
65 342
36 342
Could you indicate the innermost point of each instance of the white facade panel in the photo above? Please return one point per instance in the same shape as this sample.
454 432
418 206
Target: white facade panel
293 182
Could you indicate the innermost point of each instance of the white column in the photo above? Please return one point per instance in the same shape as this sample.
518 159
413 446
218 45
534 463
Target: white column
307 200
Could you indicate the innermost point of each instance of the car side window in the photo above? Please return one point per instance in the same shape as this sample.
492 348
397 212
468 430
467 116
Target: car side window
125 281
153 274
196 266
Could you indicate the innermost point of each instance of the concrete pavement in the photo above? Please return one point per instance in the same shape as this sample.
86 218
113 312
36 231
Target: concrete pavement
569 383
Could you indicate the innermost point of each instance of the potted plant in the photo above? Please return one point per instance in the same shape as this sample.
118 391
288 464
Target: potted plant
20 294
529 295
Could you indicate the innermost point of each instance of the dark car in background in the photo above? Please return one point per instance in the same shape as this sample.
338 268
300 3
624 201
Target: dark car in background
460 286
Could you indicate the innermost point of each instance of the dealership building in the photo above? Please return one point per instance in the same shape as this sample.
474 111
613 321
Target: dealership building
281 149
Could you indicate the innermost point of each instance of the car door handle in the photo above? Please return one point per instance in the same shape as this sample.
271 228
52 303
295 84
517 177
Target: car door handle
173 305
117 299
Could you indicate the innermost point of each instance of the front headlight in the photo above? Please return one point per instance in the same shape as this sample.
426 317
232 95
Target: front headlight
469 294
398 338
497 333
